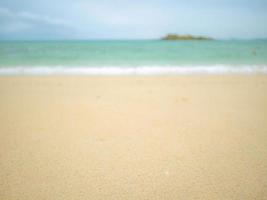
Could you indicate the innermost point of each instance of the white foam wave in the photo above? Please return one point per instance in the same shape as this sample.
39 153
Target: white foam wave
144 70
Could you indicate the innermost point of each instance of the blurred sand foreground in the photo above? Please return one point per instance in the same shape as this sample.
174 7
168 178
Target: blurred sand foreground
161 137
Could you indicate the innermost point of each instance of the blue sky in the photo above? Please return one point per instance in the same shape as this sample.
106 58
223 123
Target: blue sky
131 19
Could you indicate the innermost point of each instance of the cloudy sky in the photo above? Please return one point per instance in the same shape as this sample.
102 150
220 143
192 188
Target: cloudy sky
131 19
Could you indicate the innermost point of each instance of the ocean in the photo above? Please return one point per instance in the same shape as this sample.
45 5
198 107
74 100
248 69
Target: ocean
133 57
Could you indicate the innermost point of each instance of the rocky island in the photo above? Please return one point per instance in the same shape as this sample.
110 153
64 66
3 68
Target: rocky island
185 37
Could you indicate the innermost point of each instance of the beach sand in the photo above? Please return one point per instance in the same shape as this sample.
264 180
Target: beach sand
139 137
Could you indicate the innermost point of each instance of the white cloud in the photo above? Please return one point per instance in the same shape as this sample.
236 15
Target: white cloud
107 19
43 18
11 21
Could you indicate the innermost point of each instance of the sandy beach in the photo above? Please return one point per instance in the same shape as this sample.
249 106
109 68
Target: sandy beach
133 137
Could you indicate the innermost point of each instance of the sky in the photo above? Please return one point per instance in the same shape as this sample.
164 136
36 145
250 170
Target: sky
131 19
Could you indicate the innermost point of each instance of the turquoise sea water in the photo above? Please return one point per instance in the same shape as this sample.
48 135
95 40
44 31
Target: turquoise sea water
60 55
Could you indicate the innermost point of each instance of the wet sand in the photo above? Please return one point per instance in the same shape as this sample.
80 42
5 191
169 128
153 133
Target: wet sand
150 137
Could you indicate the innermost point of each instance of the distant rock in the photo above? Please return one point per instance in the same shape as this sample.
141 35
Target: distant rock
185 37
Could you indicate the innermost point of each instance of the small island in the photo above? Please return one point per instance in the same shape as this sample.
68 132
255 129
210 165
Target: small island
185 37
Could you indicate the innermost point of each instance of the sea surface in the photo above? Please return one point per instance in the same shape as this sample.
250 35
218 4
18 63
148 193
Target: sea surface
133 57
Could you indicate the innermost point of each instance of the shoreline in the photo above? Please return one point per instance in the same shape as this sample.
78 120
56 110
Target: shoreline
137 70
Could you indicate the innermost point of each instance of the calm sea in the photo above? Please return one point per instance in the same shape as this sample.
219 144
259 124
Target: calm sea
129 57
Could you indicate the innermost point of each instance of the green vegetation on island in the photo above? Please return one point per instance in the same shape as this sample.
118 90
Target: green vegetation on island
185 37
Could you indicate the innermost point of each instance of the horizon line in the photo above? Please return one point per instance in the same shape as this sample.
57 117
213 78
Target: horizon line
122 39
